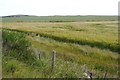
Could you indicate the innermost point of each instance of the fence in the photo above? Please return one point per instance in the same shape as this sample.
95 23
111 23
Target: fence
86 73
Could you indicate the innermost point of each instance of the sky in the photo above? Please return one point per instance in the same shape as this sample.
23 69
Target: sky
58 7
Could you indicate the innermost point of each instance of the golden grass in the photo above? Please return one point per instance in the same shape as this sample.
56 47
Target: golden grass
95 58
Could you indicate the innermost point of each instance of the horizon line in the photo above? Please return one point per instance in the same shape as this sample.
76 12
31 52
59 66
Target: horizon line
56 15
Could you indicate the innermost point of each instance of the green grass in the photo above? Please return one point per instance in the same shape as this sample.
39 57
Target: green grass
17 64
93 45
68 55
0 63
43 70
79 54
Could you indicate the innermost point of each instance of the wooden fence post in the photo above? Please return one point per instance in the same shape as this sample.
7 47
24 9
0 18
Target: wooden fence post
53 59
105 75
39 56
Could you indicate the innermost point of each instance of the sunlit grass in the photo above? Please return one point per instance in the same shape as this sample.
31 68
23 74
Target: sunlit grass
99 34
93 57
94 44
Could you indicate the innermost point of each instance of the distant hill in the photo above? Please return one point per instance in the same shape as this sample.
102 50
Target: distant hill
57 18
15 16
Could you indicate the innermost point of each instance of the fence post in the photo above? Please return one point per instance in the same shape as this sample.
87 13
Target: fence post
53 59
39 56
105 75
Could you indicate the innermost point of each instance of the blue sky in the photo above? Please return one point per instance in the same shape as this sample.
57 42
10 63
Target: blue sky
59 7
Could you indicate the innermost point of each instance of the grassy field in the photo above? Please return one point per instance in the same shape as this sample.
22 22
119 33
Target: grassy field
58 18
80 44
